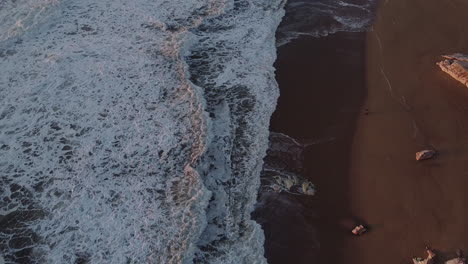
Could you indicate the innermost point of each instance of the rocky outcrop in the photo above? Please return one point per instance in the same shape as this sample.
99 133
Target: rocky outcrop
456 65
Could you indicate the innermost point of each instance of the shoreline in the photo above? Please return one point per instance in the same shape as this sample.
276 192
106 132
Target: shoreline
368 172
310 73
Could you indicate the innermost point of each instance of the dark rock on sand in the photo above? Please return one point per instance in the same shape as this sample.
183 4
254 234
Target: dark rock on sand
456 65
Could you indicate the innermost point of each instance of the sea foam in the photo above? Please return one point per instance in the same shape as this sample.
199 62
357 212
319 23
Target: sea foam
134 132
319 18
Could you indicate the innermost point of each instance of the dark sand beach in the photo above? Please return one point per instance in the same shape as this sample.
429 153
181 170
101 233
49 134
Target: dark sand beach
322 90
365 168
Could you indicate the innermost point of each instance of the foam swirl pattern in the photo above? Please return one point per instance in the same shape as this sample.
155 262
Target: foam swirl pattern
319 18
134 131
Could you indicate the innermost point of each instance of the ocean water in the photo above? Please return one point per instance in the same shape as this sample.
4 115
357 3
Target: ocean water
319 18
284 166
134 131
287 222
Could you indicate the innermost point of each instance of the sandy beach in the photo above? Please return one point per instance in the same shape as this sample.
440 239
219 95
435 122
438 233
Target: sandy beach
413 106
365 167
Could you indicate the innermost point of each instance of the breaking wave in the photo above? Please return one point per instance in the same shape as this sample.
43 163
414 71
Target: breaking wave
319 18
134 132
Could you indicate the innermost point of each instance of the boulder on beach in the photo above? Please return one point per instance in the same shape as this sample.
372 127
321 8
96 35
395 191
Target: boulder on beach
425 154
456 65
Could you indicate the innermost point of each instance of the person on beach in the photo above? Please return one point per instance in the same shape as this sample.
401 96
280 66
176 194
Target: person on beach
431 255
359 230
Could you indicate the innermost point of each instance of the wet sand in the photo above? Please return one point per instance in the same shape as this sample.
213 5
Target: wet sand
322 90
366 169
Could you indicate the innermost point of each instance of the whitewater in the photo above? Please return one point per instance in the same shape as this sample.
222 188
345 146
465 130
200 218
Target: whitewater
134 131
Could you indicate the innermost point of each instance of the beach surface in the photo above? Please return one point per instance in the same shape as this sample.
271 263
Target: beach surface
413 105
368 102
322 90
